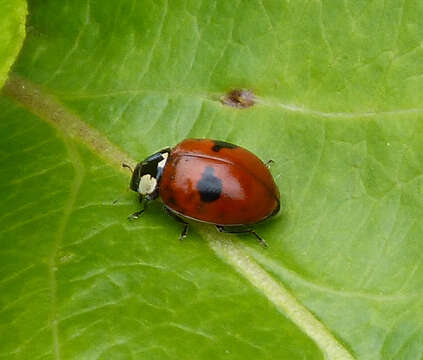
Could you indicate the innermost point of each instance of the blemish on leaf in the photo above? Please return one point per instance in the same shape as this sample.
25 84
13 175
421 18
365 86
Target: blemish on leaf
239 98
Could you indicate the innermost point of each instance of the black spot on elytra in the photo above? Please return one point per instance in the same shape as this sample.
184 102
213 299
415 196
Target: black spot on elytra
222 144
239 98
209 186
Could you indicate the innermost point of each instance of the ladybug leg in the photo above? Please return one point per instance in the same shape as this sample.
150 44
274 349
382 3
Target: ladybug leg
268 163
137 214
178 219
240 230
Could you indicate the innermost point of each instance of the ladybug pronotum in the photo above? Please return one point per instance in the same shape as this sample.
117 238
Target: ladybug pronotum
209 181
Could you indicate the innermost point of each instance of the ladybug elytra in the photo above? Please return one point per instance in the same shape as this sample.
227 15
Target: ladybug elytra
209 181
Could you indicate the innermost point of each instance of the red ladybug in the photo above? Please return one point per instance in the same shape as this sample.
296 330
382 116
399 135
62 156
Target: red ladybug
209 181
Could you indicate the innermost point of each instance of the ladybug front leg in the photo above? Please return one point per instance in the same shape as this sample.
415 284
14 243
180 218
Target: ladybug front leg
137 214
240 230
178 219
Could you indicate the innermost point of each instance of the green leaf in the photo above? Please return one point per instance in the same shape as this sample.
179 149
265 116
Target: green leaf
12 33
337 107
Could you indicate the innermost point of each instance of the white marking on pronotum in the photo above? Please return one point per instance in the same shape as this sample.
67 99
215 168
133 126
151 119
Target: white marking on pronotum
147 184
162 163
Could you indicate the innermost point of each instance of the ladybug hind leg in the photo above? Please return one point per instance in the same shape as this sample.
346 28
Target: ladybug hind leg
241 230
178 219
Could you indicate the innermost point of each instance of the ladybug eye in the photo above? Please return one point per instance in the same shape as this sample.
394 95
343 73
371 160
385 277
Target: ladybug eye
147 184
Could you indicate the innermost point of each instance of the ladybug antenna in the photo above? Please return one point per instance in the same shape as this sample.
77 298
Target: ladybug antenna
132 171
127 166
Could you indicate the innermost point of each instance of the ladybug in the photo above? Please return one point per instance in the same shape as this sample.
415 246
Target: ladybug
208 181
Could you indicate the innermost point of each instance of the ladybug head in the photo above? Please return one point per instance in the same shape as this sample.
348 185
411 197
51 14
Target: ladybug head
147 173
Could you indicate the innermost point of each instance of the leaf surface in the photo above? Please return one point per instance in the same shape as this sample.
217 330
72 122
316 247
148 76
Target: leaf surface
338 108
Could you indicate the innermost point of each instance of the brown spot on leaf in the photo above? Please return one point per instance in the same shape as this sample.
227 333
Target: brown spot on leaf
239 98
